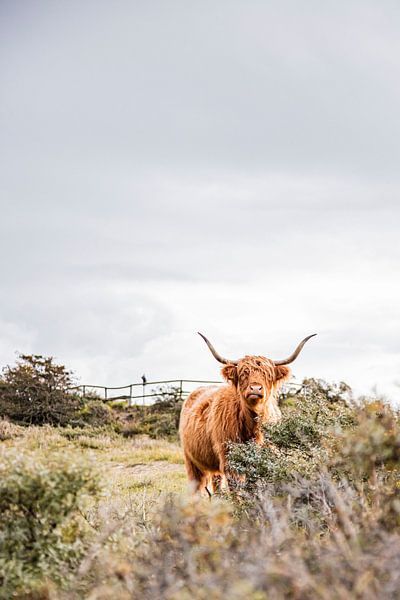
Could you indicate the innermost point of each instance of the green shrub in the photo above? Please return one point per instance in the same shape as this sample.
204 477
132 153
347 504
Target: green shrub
96 413
158 420
41 533
372 445
36 392
322 443
265 464
297 445
155 425
329 391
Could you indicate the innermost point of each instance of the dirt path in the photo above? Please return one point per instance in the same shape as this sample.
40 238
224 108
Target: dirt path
152 468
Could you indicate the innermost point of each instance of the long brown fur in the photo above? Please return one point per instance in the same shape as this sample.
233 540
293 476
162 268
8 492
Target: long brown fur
213 416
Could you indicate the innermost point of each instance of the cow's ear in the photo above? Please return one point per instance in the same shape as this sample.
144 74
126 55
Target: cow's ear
282 373
229 372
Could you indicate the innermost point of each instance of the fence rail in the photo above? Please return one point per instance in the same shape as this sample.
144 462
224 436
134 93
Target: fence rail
177 389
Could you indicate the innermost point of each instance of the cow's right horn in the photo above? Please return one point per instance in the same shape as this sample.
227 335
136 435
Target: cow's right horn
295 354
215 354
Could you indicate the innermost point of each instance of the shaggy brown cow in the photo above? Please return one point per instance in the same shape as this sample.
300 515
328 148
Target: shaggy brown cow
213 416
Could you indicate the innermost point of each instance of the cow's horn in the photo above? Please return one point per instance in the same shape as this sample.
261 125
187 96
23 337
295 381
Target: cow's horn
295 354
215 354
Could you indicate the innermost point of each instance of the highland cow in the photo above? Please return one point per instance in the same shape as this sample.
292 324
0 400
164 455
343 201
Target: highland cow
214 416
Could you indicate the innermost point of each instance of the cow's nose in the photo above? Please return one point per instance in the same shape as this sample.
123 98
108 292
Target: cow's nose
257 389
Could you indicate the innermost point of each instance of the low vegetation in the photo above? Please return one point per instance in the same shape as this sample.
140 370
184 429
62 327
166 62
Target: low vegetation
100 511
63 490
158 420
41 535
301 443
37 391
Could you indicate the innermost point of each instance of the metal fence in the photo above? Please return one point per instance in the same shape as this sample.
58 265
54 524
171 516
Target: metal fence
150 391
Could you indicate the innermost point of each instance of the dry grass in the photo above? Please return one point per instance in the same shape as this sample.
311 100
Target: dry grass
127 465
9 431
135 475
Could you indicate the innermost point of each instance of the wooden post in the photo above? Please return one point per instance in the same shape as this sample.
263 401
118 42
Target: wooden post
130 395
105 394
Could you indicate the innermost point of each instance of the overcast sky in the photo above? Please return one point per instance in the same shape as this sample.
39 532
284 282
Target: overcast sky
228 167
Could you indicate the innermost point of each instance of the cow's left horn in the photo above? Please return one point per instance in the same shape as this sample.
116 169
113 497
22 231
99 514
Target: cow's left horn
215 354
295 354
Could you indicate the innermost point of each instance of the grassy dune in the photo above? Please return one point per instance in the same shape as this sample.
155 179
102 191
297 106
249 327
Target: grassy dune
87 513
133 477
126 466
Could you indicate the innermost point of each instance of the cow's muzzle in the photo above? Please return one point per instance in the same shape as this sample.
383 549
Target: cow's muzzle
255 392
254 397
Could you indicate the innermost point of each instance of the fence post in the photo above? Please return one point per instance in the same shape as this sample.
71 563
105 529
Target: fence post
130 395
105 394
84 391
180 389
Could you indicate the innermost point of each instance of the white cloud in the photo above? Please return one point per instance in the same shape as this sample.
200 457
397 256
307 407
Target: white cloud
231 167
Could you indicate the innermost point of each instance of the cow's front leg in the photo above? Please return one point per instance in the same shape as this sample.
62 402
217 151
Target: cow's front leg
229 478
